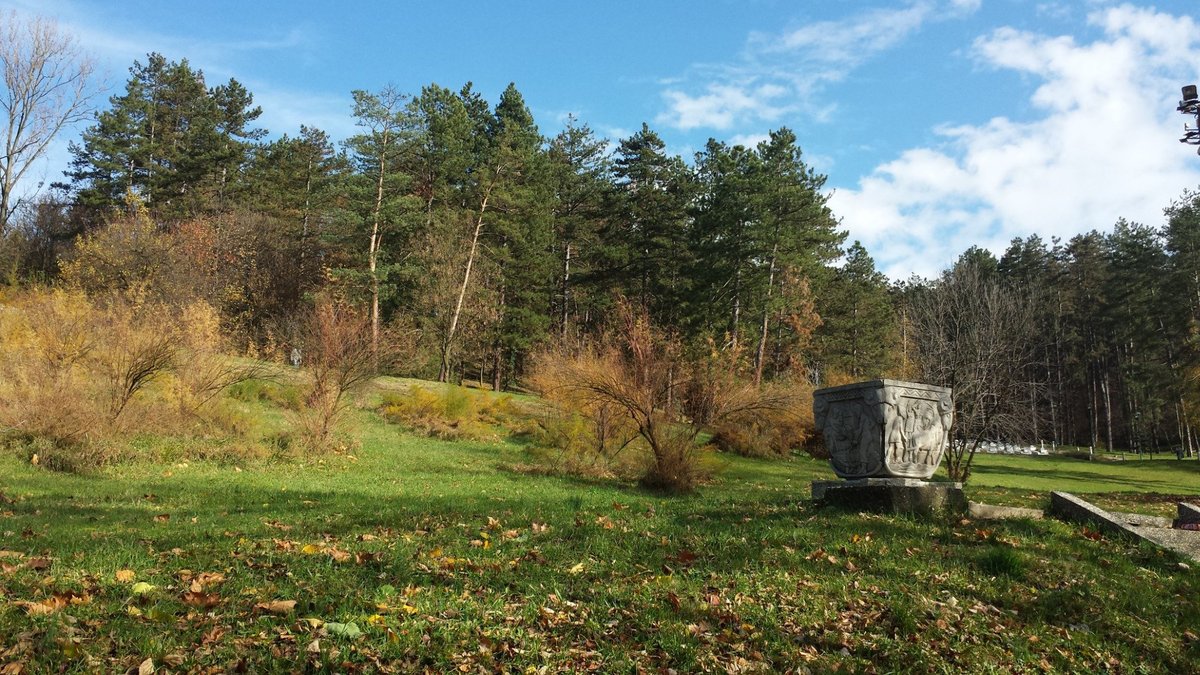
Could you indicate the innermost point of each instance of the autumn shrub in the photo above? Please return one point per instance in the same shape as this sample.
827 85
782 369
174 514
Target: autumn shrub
667 396
79 376
339 361
774 432
585 435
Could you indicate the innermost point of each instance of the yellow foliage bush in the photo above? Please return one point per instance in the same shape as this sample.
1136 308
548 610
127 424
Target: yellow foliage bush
77 374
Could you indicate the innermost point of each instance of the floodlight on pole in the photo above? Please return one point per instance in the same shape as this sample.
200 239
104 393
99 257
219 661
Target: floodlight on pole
1190 105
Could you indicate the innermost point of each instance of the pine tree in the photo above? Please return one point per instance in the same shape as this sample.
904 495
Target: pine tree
521 237
646 241
169 139
858 331
579 168
388 125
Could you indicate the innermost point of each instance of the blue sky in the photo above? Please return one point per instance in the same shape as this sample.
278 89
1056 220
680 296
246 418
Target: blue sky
940 123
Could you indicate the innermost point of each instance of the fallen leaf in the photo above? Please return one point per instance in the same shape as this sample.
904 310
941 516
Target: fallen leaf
38 564
346 630
141 588
210 579
576 569
146 668
313 647
125 576
203 600
47 606
161 518
276 606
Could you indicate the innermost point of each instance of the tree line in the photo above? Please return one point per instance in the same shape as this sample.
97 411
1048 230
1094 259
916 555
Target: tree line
475 240
461 224
1110 319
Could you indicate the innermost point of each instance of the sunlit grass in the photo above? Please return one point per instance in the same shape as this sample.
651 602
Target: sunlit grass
444 557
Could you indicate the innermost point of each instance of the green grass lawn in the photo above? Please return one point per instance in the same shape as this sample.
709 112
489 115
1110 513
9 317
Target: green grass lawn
1150 486
414 554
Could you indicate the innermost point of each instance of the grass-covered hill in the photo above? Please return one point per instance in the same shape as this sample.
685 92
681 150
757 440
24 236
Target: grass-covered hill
406 553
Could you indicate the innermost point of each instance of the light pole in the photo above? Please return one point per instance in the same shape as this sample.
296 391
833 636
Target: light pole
1190 105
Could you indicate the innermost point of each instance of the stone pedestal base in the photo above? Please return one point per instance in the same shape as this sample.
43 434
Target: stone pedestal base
891 495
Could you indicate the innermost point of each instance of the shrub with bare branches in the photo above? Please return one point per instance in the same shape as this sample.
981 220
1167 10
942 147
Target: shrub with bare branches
642 373
978 337
339 360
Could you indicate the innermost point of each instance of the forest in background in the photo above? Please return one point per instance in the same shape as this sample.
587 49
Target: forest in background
472 242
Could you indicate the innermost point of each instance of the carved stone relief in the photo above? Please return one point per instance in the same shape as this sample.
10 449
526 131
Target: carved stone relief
884 428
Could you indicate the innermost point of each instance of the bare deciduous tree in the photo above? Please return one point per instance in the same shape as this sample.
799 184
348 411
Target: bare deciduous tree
46 78
977 336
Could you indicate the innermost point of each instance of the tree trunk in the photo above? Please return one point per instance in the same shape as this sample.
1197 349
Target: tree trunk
736 319
566 289
497 361
448 341
761 352
1104 389
376 241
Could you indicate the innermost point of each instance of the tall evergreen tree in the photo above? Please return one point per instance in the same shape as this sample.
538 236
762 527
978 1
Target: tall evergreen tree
388 125
168 138
858 333
521 236
646 251
579 166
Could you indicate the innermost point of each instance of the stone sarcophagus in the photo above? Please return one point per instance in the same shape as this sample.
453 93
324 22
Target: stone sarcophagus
884 428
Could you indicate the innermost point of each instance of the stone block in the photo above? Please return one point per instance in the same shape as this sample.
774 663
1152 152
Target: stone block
1188 514
892 495
884 428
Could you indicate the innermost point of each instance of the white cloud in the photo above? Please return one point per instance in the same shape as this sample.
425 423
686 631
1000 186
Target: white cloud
748 140
721 105
778 73
1104 147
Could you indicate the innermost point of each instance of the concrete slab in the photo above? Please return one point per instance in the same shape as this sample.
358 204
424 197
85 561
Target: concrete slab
1069 507
1140 520
980 511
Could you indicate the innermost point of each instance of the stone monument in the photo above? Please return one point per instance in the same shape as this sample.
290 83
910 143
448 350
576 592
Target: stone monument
885 439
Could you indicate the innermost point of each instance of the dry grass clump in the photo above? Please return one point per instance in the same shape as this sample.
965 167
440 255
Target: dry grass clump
450 412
